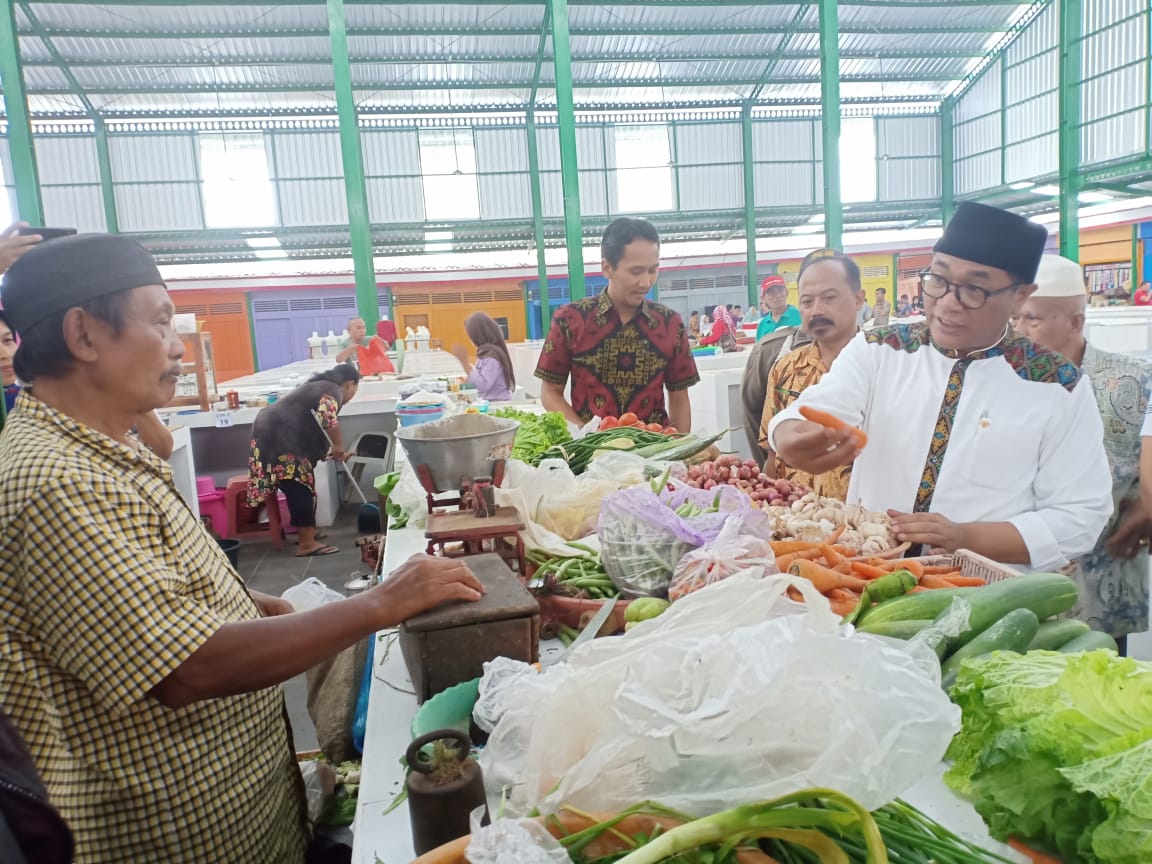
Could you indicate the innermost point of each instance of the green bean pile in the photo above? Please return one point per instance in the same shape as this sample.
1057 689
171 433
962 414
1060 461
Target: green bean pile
579 576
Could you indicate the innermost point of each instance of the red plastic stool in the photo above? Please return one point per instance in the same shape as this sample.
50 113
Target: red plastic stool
242 519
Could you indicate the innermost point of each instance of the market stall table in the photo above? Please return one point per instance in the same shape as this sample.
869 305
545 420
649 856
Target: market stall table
385 838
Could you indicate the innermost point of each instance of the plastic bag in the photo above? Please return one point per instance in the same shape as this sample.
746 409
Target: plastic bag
731 552
310 594
557 506
319 785
512 841
410 497
642 538
734 694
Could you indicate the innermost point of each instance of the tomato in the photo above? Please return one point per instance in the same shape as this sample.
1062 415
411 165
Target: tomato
671 430
628 419
654 427
639 424
609 423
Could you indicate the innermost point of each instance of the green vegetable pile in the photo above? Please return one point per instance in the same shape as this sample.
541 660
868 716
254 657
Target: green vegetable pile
1056 749
814 826
341 807
579 575
536 434
650 445
1004 616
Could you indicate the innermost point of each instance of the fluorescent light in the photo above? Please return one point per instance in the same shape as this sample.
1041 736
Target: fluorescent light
818 219
1046 190
1021 185
1094 197
270 254
263 242
808 229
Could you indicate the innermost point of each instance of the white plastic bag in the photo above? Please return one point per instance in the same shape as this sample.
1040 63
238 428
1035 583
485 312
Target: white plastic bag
730 553
411 497
557 506
734 694
310 594
513 841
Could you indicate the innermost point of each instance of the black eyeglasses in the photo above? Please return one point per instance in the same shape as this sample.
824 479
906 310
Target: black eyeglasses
969 296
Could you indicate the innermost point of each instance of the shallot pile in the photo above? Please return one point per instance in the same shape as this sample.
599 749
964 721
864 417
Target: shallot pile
746 476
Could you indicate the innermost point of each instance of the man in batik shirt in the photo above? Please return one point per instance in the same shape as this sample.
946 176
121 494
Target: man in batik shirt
621 350
830 299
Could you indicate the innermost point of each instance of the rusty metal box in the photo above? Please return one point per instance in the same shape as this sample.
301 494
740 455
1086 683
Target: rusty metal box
451 643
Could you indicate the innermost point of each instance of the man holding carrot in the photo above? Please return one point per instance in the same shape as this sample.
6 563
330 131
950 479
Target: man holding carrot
976 438
831 296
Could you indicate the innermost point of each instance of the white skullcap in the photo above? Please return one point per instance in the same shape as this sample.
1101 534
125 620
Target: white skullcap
1059 277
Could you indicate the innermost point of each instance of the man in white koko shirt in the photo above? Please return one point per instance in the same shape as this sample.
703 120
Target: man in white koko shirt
977 438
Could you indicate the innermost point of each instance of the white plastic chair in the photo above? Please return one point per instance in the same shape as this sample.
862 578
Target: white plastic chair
375 455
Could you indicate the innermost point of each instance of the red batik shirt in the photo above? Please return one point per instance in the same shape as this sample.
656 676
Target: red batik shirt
617 367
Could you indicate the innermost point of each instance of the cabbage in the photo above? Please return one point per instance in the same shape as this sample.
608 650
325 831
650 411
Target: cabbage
1056 749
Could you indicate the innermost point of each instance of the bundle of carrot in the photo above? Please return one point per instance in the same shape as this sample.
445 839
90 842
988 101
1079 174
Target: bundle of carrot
845 581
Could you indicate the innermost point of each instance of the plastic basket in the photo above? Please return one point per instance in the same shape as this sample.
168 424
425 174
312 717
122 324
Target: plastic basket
416 416
971 564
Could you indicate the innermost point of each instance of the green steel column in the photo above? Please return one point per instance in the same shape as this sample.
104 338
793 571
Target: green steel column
538 221
830 122
947 161
1071 29
107 190
749 203
569 170
355 188
252 331
20 149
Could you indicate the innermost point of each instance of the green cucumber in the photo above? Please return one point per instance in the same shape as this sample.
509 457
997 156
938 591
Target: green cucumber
1053 634
1090 641
1046 594
897 629
1012 632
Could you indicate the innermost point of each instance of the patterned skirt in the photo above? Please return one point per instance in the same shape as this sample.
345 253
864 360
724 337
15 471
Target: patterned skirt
264 476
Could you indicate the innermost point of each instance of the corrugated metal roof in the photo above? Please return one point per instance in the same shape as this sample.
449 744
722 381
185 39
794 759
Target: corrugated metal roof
200 58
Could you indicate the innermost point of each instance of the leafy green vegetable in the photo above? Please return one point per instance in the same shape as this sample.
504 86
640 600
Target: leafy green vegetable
1056 749
536 434
385 483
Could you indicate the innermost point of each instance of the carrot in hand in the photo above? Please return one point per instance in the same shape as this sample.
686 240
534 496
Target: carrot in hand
825 578
831 421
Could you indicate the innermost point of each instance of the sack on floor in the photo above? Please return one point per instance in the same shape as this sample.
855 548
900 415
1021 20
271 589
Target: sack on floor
333 690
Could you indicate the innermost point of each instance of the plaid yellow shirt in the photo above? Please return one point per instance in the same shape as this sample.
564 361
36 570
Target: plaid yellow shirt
109 584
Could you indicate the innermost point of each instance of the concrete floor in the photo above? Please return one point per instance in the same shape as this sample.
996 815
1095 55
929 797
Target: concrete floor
271 572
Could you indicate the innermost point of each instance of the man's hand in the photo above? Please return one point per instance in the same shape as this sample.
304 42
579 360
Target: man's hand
13 245
422 583
815 448
930 529
270 606
1132 531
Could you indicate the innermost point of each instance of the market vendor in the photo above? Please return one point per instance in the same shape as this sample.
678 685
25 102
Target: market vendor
141 674
976 438
1113 577
621 350
357 338
831 296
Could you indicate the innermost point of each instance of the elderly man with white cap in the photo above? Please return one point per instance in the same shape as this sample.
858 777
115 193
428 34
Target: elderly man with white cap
1113 577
